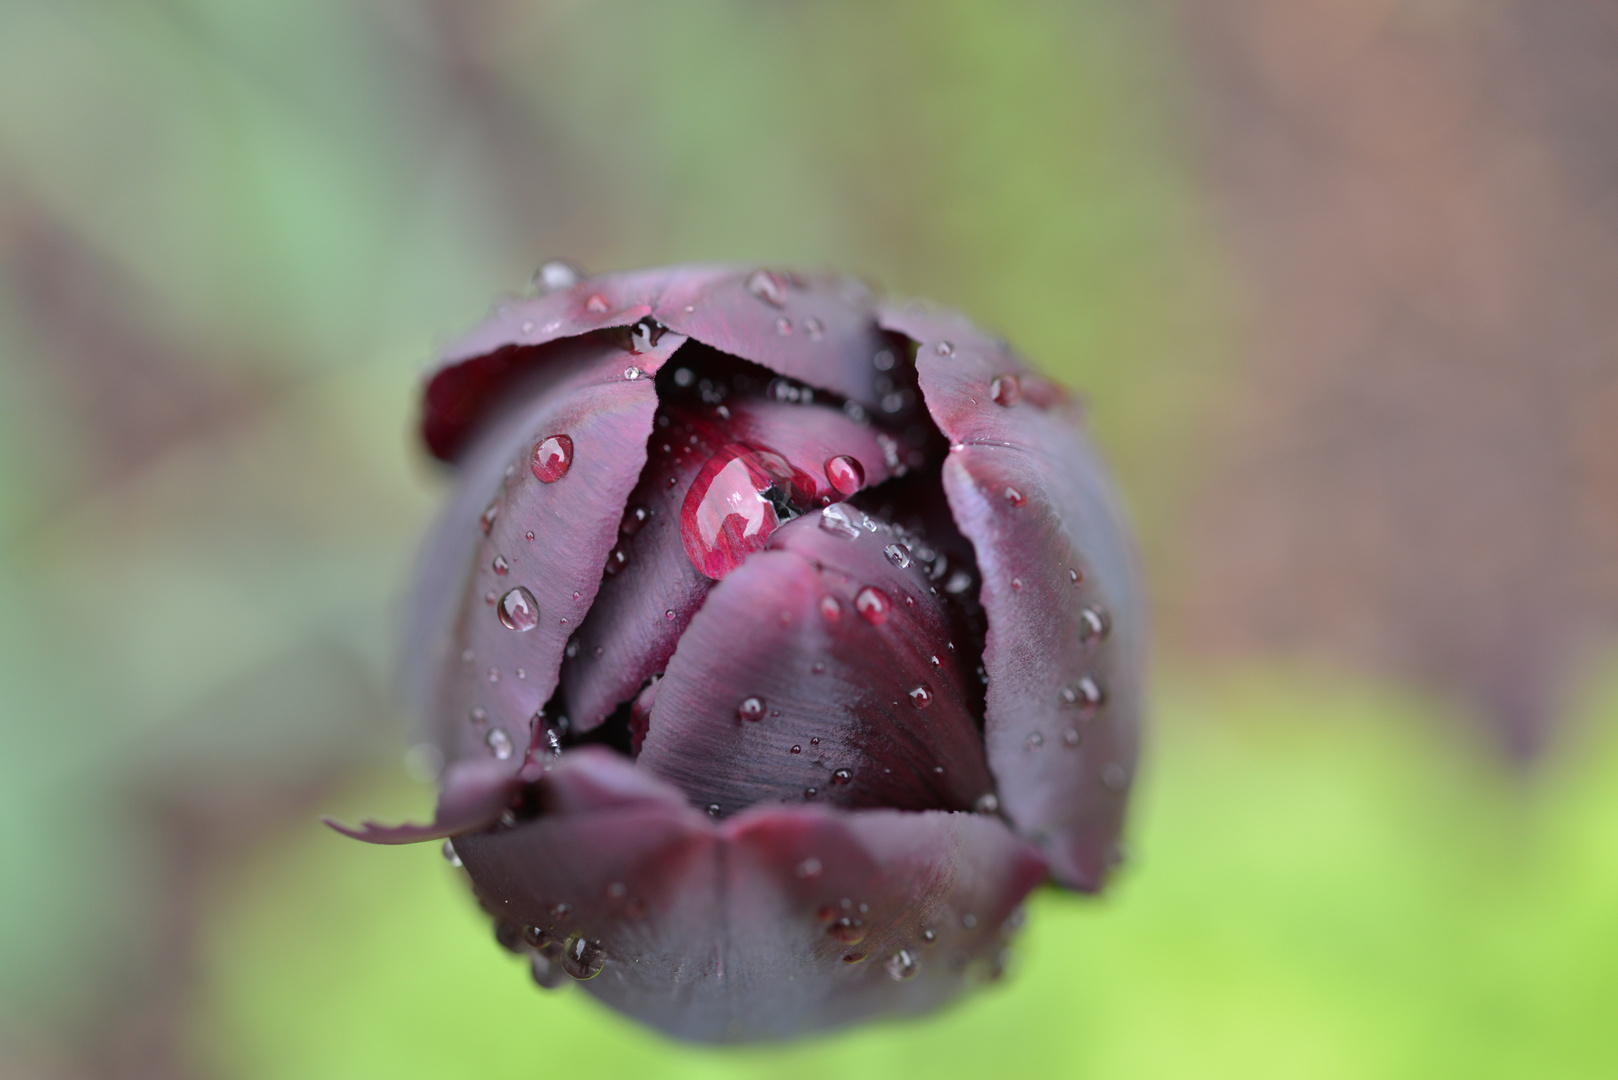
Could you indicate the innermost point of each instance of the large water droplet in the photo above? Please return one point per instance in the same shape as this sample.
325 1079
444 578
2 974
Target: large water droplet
582 958
518 610
898 555
750 709
499 743
741 495
846 474
768 286
552 457
1005 390
922 696
555 274
873 605
901 966
839 520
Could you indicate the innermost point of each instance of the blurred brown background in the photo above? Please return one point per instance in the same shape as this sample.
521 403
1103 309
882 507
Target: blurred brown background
1337 276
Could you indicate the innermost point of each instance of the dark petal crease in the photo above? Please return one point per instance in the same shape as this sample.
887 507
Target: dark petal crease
1065 639
780 657
820 330
773 924
644 607
473 795
480 675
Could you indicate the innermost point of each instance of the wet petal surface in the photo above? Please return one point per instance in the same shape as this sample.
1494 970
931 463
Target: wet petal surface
516 561
647 602
776 923
821 670
1064 641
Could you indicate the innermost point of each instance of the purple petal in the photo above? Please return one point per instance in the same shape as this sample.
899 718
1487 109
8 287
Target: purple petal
819 330
516 562
644 607
740 931
781 690
473 795
1064 643
511 346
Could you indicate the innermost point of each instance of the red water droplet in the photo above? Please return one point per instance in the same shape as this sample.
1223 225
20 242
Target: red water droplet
922 696
750 709
551 459
736 501
846 474
830 609
873 605
1005 389
1015 497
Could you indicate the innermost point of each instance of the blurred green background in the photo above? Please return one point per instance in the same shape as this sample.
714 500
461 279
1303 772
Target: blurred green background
1336 277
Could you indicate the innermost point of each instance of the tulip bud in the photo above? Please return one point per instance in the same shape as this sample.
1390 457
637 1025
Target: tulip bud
778 639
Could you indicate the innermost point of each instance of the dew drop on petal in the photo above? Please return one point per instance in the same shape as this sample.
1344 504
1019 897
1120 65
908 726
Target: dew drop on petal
714 809
1071 736
1113 777
501 566
1005 390
810 792
634 518
873 605
898 555
552 457
796 749
848 929
555 274
1074 576
479 715
596 304
846 474
783 326
1035 741
842 776
814 328
987 803
739 497
830 608
1092 625
449 853
839 520
901 966
582 958
750 709
921 696
1015 497
632 373
809 869
518 610
486 519
929 936
768 286
499 743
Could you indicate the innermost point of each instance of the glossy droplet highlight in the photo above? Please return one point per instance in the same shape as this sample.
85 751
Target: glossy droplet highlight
1015 497
768 286
1092 625
499 743
596 304
921 696
486 519
582 958
741 495
987 804
500 565
555 274
898 555
845 474
842 776
551 459
873 605
1005 390
839 520
751 709
901 966
518 610
830 609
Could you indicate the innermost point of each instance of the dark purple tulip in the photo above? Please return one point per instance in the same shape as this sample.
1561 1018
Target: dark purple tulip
778 639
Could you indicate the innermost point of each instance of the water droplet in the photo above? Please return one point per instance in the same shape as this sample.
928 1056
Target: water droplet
486 519
944 348
846 474
958 582
572 649
818 667
582 958
814 328
449 853
840 520
796 749
810 792
809 869
632 373
499 743
1071 736
848 929
741 495
1015 497
987 804
901 966
1074 576
969 920
634 518
561 911
1113 777
1092 625
783 326
1005 390
750 709
815 741
1016 583
1035 741
768 286
922 696
528 326
479 715
552 457
883 361
490 597
1089 694
617 559
545 972
929 936
713 809
898 555
555 274
494 674
500 565
842 776
873 605
466 656
596 304
518 610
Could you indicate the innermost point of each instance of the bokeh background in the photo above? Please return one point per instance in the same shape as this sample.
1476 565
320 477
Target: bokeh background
1340 278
